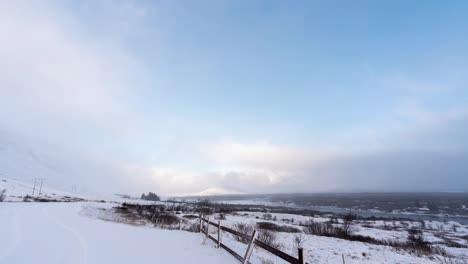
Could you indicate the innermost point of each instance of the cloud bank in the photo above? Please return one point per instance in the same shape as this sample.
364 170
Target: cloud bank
79 102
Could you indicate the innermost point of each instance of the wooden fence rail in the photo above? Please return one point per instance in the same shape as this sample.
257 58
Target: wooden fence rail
253 241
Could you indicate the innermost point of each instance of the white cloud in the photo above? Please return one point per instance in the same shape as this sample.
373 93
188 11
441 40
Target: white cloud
51 70
264 155
66 91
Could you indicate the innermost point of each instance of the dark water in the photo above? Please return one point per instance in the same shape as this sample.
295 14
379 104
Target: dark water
461 220
452 206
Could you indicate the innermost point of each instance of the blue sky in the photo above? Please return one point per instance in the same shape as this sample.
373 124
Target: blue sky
237 96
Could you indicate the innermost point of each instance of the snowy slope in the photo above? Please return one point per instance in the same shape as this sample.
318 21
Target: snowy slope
57 234
16 190
19 161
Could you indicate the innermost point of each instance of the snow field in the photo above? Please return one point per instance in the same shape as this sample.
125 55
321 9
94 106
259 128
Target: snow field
55 233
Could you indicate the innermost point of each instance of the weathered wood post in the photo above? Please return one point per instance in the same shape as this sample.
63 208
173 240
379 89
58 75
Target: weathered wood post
250 247
180 225
300 252
207 226
200 226
219 233
342 256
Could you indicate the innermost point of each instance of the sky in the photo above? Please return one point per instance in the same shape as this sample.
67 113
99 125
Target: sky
187 97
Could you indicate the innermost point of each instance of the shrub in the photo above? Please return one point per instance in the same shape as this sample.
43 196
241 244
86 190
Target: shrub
2 195
222 217
347 222
416 245
267 216
451 243
324 229
165 219
277 228
28 198
329 230
244 229
299 241
269 238
193 227
190 216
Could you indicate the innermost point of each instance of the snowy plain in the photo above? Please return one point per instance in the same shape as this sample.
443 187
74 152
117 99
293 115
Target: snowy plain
56 233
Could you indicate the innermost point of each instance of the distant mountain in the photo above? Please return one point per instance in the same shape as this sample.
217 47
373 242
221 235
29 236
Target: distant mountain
216 191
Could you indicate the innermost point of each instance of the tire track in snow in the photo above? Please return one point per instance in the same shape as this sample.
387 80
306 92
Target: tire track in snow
17 231
76 235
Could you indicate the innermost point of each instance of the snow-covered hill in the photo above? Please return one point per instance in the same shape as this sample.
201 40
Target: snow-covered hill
22 162
17 190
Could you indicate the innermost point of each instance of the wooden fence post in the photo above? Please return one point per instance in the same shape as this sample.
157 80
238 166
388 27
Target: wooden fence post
207 227
180 225
342 256
300 252
250 247
219 233
200 227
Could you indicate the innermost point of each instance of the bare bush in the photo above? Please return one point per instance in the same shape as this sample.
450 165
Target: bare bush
347 222
331 230
221 217
277 228
2 195
415 243
267 216
193 227
245 230
299 241
204 207
28 198
451 243
165 219
190 216
325 229
269 237
155 214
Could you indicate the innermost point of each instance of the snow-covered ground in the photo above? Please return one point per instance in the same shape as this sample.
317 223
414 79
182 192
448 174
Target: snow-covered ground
16 190
91 232
321 249
57 233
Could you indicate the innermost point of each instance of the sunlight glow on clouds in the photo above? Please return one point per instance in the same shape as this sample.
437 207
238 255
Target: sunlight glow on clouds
261 155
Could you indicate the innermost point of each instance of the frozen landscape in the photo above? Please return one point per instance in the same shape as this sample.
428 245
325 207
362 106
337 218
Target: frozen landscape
233 131
61 227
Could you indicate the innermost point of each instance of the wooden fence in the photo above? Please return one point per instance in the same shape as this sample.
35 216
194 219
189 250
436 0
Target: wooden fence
204 228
